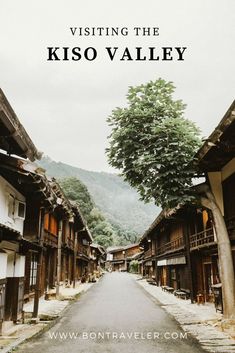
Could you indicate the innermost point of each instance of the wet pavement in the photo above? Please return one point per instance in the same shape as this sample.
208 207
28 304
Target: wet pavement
115 315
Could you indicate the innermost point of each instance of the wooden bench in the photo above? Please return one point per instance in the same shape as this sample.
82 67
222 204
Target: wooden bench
168 289
164 288
182 293
152 281
200 298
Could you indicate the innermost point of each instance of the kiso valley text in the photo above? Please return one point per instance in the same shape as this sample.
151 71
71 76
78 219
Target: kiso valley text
116 53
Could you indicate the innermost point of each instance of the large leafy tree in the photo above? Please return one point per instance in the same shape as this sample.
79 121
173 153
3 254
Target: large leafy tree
154 147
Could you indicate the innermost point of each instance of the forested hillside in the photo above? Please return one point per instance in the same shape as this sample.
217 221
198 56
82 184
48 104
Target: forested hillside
101 230
115 198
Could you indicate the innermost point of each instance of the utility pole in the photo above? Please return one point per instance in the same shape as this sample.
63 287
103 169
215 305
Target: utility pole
59 258
188 256
39 265
74 259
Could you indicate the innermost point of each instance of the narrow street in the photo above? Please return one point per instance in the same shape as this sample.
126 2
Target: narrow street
115 315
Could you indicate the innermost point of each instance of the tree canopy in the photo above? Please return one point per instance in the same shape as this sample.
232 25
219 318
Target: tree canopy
154 145
100 228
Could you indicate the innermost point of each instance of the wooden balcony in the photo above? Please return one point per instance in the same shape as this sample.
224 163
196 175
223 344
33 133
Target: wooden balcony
70 243
117 258
171 246
83 250
50 239
148 253
202 239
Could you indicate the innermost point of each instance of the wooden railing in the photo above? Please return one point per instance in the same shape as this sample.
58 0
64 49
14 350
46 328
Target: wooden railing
83 250
148 253
121 257
50 239
171 246
70 243
202 239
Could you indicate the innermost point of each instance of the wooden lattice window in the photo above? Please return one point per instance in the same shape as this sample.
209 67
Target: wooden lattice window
33 271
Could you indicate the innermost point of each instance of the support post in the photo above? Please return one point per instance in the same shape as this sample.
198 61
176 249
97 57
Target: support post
59 258
39 265
74 259
188 256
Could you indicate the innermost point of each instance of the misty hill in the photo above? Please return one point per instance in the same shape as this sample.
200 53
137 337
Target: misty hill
115 198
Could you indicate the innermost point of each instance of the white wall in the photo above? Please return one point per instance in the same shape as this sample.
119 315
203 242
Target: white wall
15 265
6 189
10 264
109 257
216 179
3 265
19 266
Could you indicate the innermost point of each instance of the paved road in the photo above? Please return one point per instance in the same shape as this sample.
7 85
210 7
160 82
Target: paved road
115 315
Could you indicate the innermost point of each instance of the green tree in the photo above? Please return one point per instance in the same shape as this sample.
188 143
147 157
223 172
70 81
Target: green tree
100 228
154 147
133 266
76 191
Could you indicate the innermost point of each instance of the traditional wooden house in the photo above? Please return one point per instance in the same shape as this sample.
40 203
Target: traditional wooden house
13 140
44 239
203 254
170 245
118 258
147 262
40 199
97 259
216 158
58 240
83 257
115 260
164 246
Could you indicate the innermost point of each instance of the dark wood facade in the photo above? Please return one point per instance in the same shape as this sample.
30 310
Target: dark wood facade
183 243
118 259
183 248
47 242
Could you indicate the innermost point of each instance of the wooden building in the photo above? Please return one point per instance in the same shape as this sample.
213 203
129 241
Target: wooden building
165 253
180 247
13 203
97 260
83 256
44 240
118 258
203 254
216 158
174 241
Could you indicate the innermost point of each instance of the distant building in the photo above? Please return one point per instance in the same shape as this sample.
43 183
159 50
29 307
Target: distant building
119 258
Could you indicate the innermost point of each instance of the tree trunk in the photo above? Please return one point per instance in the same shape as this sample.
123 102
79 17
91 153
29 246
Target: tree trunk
225 256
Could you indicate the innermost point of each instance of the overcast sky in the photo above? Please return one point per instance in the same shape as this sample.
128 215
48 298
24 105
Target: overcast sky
64 105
